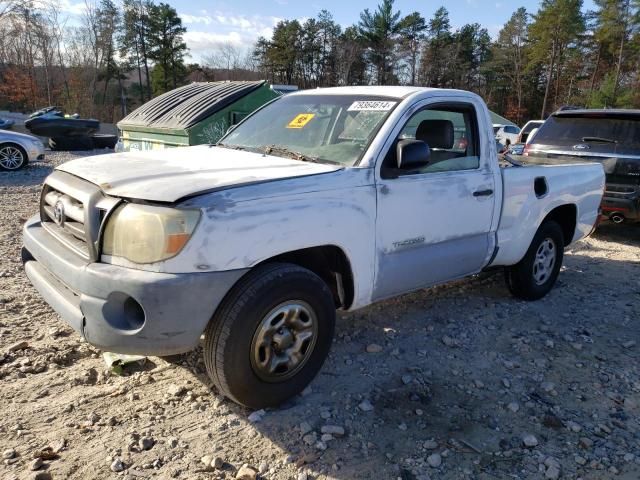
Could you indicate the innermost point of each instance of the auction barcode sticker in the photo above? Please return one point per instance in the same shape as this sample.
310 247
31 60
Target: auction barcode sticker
371 105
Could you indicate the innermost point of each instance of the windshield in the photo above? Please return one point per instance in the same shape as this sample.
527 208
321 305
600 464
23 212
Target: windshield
322 128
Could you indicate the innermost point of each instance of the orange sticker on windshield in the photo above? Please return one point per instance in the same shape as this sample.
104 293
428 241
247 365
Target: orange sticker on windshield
301 120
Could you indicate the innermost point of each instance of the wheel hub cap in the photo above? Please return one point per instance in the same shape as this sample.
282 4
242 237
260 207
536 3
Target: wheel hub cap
283 341
10 158
545 261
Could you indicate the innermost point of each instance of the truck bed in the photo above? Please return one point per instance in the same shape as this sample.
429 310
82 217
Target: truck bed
530 192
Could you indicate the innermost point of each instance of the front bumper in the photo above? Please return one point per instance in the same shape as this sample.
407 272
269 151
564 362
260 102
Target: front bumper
119 309
35 152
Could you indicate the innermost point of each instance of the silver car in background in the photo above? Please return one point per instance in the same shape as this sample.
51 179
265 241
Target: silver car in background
18 149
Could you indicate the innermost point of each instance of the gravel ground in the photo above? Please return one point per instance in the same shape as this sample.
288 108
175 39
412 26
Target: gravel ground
455 382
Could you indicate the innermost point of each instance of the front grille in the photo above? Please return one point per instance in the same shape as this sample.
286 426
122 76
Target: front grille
73 211
69 229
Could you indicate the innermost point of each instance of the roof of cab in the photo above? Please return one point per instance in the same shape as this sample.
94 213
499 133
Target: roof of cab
382 91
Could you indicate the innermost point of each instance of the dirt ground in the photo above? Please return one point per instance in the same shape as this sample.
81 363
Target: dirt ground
465 382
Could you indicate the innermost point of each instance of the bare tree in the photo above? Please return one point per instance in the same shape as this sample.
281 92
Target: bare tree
10 6
227 57
58 26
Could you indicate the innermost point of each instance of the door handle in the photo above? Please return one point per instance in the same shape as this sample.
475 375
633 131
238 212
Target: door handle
483 193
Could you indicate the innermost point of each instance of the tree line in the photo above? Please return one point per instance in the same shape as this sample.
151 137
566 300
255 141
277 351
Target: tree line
119 55
539 61
116 56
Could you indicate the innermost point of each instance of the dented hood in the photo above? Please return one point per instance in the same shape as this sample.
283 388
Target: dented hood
172 174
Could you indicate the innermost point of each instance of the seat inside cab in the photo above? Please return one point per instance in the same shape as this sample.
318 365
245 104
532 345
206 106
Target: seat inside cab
451 134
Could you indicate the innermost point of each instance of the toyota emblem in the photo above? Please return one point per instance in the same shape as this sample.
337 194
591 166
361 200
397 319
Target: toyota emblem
58 213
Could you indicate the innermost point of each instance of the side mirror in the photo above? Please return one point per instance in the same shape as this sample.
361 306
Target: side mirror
412 154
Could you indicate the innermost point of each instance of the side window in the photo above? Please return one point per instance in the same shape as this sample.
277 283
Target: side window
511 129
450 131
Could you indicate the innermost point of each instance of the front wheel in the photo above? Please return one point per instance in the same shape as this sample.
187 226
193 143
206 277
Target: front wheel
536 273
270 336
12 157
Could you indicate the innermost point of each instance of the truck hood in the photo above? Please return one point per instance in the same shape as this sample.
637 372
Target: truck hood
173 174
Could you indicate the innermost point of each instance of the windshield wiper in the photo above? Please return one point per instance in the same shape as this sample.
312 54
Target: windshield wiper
598 140
280 150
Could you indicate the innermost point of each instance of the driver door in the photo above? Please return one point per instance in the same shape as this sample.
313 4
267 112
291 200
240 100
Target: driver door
435 224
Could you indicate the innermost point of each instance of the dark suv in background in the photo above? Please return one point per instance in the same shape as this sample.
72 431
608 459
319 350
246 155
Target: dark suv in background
611 137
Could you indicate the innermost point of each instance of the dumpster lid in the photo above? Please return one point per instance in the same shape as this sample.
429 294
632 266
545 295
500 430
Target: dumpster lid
185 106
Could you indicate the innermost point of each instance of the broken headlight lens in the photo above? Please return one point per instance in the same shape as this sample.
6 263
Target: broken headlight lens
148 234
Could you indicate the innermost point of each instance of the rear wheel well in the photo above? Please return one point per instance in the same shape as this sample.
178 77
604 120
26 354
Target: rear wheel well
328 262
566 216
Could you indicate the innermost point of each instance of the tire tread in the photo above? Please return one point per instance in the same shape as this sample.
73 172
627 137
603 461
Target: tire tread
219 329
518 276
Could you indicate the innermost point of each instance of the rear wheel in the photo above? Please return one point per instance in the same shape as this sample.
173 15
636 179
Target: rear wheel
270 336
12 157
537 272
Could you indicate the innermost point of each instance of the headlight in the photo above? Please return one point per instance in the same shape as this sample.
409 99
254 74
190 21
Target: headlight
148 234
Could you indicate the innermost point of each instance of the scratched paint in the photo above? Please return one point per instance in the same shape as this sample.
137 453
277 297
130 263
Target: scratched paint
172 174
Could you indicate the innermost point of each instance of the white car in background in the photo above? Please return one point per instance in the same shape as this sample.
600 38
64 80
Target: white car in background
526 135
528 130
18 149
506 134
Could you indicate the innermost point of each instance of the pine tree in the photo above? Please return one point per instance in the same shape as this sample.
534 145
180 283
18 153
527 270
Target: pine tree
612 35
510 57
108 21
437 50
166 47
412 28
379 31
131 39
556 28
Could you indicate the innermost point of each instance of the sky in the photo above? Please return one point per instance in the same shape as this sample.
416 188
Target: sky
240 22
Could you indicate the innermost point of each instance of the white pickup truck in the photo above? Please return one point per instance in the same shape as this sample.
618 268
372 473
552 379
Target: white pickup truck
321 200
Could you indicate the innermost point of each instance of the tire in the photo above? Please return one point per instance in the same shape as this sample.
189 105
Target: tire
239 342
103 140
71 144
534 275
12 157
